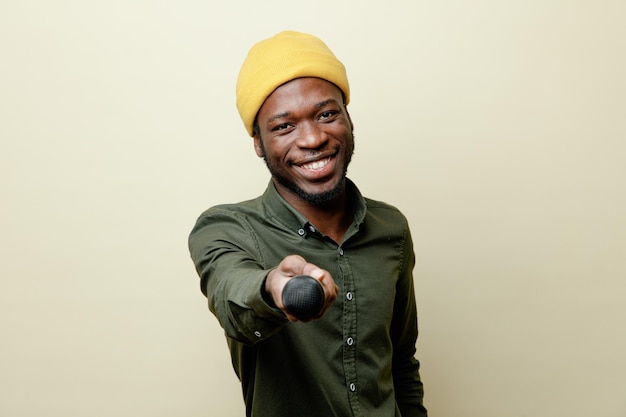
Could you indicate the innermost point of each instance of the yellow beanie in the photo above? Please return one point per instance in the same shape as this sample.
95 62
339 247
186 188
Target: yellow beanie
284 57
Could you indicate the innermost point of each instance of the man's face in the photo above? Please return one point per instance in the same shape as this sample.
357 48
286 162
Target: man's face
305 137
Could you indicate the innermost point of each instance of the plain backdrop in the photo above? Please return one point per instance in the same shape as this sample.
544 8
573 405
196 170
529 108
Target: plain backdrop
497 127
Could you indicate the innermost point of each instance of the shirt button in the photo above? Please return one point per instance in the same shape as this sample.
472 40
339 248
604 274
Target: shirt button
349 296
312 229
341 251
301 232
257 333
350 341
352 386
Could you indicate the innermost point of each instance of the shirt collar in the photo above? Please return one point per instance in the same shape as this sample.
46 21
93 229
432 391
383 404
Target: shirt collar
277 208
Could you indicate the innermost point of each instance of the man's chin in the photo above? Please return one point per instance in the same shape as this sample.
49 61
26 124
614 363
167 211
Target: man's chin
319 196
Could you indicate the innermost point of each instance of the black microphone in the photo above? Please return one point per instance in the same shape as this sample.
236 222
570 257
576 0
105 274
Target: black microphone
303 297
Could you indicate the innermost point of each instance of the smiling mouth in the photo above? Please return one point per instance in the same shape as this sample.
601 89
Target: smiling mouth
316 165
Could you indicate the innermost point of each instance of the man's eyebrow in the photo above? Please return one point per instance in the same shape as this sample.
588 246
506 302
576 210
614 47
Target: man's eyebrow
325 103
278 116
319 105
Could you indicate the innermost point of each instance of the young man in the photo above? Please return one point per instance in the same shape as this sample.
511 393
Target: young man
356 357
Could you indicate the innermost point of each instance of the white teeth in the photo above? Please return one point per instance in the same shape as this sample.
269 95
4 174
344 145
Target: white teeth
317 164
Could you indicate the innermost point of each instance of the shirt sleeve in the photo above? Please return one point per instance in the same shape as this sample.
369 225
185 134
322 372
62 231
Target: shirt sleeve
226 254
407 382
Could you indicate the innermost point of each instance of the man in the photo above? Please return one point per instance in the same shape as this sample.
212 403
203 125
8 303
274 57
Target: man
356 357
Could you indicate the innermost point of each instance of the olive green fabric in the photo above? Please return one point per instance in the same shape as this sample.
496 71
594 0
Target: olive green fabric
358 359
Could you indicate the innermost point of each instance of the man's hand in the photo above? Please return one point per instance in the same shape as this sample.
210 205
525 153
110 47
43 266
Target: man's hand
288 268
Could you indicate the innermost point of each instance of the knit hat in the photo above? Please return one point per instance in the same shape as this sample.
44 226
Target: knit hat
284 57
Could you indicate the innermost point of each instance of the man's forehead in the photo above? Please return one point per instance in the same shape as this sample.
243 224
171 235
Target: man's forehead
301 92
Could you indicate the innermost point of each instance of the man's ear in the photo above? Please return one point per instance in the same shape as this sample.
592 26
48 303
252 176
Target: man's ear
349 118
258 146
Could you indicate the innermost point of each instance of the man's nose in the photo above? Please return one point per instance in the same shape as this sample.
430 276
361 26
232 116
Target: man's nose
311 135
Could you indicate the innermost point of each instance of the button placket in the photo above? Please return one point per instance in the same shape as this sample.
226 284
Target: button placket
349 330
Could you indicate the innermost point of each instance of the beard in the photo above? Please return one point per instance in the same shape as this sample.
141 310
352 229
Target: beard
316 199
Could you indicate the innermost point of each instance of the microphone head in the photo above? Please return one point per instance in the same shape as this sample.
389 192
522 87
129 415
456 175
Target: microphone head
303 297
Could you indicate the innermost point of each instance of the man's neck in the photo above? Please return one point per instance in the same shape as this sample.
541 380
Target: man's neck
331 219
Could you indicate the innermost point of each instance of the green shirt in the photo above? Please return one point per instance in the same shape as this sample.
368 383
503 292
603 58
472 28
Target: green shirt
356 360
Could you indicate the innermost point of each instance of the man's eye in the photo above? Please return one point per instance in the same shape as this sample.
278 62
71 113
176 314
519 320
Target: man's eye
327 115
281 126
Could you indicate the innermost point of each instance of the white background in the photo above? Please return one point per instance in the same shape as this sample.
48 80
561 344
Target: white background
498 127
